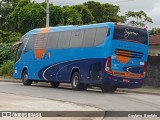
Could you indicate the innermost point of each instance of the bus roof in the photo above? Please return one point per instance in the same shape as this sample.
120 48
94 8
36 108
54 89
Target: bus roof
71 27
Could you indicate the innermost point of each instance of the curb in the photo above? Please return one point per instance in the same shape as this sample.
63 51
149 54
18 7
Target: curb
139 92
119 90
5 80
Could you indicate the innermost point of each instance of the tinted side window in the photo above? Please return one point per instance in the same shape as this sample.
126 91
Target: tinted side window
77 38
89 37
53 40
101 34
31 41
64 39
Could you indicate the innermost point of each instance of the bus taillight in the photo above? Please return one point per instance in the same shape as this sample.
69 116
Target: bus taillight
144 70
108 65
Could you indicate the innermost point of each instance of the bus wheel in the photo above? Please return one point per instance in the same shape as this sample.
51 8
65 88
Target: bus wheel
108 88
75 82
55 84
25 78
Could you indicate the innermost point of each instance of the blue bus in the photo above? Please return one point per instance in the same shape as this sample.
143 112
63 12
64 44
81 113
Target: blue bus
107 55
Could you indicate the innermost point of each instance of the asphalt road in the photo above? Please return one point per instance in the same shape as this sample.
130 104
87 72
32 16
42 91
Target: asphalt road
119 101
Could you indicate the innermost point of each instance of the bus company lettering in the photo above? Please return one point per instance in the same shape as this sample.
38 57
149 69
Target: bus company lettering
127 33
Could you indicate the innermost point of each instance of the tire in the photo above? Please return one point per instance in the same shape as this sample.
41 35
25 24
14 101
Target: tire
55 84
108 88
25 78
75 80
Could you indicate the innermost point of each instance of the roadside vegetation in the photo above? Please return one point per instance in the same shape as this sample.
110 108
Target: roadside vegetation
7 68
155 31
20 16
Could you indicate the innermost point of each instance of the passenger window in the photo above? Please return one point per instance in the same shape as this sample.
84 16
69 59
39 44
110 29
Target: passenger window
53 40
37 41
77 38
30 44
64 39
89 37
101 34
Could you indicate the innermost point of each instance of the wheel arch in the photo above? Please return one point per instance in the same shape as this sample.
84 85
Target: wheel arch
74 69
25 68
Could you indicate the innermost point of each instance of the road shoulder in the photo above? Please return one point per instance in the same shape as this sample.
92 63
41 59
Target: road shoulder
144 90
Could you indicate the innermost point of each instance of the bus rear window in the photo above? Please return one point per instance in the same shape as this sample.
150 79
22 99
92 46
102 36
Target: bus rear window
130 34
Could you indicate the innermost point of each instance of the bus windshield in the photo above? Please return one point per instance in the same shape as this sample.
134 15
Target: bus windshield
130 34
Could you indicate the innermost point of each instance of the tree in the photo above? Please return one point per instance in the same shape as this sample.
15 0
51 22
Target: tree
27 16
154 31
110 13
6 7
56 15
9 37
6 68
6 52
71 16
87 16
24 17
96 10
141 18
104 12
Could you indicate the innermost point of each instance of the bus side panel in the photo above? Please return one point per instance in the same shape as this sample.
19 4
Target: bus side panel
17 70
91 71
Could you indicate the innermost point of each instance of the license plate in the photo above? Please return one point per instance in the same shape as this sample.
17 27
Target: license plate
126 80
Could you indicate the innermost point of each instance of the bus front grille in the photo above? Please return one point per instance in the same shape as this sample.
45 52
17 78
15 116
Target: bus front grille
128 53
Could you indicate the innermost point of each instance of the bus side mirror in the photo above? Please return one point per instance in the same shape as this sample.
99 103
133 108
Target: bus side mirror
15 45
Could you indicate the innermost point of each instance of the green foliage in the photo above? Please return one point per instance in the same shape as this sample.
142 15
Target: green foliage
87 16
71 16
96 9
140 15
9 37
110 12
104 12
154 31
6 68
29 15
6 7
56 15
12 37
6 52
26 16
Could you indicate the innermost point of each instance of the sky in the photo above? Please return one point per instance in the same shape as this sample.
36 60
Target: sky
150 7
